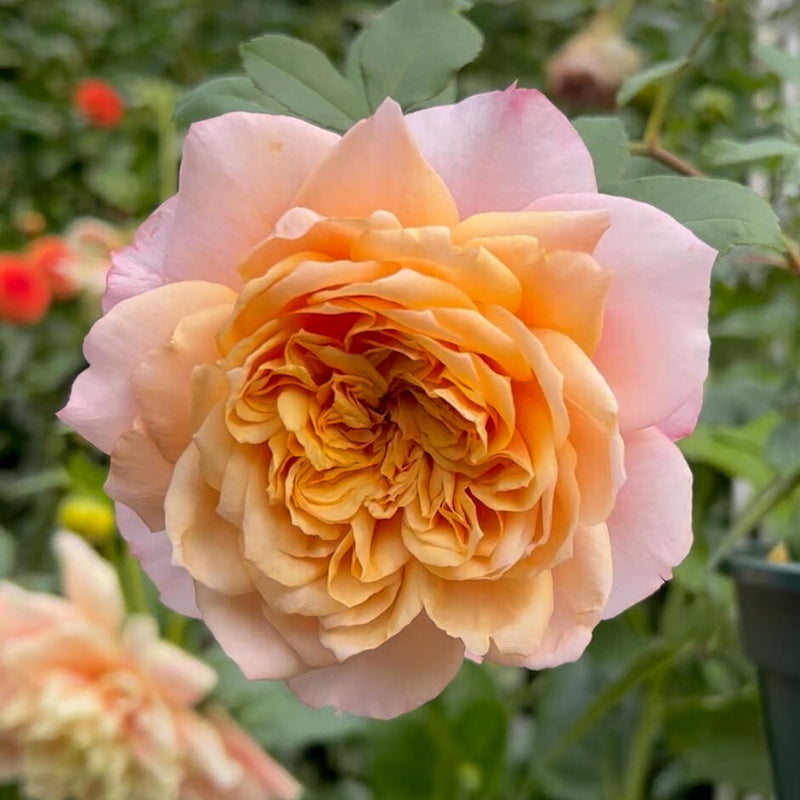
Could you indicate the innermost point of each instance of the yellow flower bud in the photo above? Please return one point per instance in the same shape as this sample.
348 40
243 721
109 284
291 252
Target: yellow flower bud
87 516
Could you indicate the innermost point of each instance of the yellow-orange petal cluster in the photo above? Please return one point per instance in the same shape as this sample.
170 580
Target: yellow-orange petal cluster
96 707
371 401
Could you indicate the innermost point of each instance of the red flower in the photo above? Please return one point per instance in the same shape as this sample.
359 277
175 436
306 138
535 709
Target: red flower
98 103
24 293
50 255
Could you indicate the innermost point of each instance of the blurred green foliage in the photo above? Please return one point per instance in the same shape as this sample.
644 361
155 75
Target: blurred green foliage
663 705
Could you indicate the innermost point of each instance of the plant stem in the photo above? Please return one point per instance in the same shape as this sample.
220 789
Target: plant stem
644 740
658 153
137 602
667 89
619 10
759 506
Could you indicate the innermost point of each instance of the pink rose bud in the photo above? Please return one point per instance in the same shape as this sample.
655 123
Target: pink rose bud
590 67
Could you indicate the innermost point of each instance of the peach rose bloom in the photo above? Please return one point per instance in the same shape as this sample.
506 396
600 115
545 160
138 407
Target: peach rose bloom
371 400
96 707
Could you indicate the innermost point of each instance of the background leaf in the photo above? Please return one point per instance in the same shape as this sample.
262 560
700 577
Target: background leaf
635 83
721 213
302 79
412 50
221 95
608 144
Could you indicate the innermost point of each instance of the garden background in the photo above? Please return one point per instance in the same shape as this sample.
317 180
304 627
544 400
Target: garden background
664 704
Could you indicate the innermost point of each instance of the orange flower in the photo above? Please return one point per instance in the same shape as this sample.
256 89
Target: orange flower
96 707
24 291
98 103
378 401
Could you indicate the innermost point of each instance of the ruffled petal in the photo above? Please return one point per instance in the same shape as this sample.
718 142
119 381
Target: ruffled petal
407 671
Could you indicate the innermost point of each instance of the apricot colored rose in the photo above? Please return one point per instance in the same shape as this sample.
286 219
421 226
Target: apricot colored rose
98 103
93 705
24 290
371 401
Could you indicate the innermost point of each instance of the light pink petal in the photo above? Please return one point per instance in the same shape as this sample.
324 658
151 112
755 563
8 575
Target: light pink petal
653 351
682 422
264 777
89 581
500 151
102 405
651 525
238 175
140 266
153 551
245 634
400 675
183 678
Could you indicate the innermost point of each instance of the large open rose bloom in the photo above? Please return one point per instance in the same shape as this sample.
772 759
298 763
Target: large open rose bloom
378 401
94 706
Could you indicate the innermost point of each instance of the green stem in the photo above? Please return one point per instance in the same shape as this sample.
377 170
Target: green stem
619 11
134 586
667 89
665 157
759 506
644 741
176 627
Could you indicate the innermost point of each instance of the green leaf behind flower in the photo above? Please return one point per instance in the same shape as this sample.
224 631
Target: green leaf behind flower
721 213
607 142
413 49
302 79
635 83
728 152
221 95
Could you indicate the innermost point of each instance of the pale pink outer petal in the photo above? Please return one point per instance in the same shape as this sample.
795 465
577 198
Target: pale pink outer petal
408 670
153 550
651 524
264 777
683 420
140 266
246 635
102 405
239 174
89 582
653 351
500 151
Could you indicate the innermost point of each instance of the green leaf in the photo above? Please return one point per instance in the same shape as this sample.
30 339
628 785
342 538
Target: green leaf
303 80
728 152
736 452
8 553
782 448
719 740
782 64
721 213
412 50
635 83
608 144
221 95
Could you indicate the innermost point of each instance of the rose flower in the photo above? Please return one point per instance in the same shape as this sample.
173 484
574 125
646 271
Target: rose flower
98 103
94 707
378 401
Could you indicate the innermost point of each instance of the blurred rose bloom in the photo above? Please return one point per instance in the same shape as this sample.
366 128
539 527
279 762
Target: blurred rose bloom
24 290
590 67
382 392
96 707
98 103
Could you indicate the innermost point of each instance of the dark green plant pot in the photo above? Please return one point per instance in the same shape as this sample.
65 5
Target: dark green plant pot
769 618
